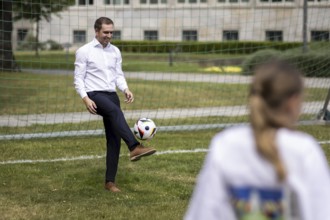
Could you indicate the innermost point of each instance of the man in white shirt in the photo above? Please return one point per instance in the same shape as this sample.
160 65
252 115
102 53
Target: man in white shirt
97 73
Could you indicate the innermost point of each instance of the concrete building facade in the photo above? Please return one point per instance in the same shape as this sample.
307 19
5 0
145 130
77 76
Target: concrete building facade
176 20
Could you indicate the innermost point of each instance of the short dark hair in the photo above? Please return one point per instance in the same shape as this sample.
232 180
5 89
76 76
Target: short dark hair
101 20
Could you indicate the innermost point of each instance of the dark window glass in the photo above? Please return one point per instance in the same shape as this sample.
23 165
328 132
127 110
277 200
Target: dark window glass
150 35
189 35
274 35
79 36
21 34
320 36
230 35
116 35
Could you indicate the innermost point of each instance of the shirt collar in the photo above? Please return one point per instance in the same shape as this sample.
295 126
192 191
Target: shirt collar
95 43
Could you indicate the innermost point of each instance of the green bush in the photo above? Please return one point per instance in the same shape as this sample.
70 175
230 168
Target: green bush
312 64
230 47
258 57
30 43
53 45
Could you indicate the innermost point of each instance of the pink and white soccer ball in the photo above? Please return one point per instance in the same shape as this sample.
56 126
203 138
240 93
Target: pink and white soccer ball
144 129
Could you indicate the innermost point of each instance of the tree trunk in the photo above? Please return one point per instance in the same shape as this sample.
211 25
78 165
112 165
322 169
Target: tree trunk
37 40
7 59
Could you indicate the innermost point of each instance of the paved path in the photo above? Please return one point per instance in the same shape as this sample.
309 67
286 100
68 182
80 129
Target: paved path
75 117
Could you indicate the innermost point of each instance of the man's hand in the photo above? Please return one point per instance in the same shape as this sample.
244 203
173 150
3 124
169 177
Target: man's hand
129 96
90 105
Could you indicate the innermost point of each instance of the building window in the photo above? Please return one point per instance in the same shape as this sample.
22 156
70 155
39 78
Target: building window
116 2
85 2
150 35
233 1
274 35
192 1
21 34
230 35
153 2
320 35
189 35
116 35
79 36
276 1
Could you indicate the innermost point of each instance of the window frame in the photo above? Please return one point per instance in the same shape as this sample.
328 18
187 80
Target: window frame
87 2
224 32
147 2
122 3
149 37
75 36
274 39
118 33
187 2
190 35
276 1
19 34
320 32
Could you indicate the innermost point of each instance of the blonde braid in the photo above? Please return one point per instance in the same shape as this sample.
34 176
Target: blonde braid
273 84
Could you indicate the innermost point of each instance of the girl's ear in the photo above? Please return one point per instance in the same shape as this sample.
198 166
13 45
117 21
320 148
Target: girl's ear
293 107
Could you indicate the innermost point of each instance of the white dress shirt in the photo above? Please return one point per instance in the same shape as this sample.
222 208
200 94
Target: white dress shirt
98 69
233 161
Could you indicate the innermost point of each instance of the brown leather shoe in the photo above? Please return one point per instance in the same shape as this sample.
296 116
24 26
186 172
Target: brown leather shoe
141 151
111 187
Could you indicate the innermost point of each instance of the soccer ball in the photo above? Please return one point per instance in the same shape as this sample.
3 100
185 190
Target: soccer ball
144 129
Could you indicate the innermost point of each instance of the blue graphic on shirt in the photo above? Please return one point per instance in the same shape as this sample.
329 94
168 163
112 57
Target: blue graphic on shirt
257 204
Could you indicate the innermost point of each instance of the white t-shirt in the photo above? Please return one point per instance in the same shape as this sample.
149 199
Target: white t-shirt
234 172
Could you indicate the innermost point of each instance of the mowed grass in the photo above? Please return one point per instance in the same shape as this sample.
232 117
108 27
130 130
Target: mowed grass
146 62
157 187
30 93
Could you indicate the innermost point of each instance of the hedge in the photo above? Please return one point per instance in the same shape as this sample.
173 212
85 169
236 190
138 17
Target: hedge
312 64
229 47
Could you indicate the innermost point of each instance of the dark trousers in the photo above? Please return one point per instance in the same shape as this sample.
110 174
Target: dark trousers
116 128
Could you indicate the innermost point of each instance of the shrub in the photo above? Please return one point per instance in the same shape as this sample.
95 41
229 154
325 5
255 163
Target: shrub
30 44
230 47
53 45
256 58
312 64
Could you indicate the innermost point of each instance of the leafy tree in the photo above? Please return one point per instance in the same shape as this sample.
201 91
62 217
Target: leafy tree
7 59
36 10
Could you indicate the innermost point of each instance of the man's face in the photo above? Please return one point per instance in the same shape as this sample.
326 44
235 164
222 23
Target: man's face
105 34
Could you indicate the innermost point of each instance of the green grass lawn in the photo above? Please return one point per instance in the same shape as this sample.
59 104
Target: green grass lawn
157 187
28 93
147 62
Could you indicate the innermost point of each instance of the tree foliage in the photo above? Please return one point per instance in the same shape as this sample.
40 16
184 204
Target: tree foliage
36 10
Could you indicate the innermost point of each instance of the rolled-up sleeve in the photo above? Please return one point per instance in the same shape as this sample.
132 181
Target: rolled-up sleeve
120 77
80 73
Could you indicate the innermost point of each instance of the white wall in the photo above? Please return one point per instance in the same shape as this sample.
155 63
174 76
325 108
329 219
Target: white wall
250 19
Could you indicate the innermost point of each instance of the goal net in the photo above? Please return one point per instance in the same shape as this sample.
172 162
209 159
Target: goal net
188 62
